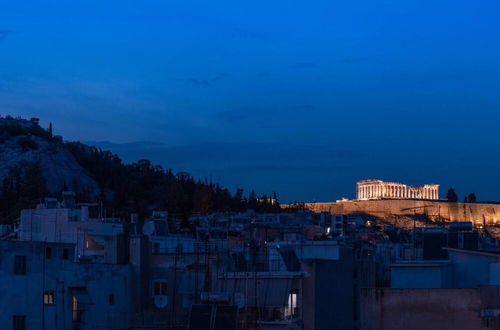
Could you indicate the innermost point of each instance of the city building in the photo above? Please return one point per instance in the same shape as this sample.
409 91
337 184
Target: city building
43 286
99 239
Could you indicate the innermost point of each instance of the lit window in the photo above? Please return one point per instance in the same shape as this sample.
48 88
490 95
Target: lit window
291 308
49 298
76 310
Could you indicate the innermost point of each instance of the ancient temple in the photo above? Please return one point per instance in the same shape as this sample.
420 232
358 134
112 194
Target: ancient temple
378 189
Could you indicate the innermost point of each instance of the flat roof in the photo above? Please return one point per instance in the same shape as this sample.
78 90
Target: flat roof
420 263
492 253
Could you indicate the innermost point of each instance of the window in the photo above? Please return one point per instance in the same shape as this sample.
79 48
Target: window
48 253
20 265
65 254
160 288
489 323
76 310
156 247
19 322
291 309
49 298
111 299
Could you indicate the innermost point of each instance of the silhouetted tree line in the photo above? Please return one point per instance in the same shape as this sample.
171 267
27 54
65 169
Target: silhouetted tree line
142 186
139 187
24 186
452 196
10 126
471 198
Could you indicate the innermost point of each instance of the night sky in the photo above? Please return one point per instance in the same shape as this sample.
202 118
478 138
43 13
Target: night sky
302 98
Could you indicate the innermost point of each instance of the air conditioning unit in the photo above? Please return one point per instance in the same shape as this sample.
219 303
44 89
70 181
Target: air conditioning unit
160 301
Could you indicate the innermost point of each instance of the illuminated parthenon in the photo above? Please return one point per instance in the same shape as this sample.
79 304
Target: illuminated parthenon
378 189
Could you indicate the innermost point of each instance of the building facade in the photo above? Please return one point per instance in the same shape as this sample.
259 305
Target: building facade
97 239
378 189
44 287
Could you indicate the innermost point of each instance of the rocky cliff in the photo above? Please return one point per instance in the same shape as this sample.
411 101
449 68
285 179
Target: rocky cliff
24 142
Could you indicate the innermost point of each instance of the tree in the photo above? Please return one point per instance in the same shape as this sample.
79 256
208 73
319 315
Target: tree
452 195
33 184
239 194
252 196
49 130
471 198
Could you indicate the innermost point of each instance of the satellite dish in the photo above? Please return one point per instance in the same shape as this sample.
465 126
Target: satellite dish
148 228
161 301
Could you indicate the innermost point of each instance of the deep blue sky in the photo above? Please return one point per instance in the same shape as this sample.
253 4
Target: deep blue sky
303 98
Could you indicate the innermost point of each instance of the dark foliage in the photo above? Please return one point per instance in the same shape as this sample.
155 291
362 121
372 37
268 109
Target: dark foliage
10 127
471 198
451 195
125 188
142 186
23 187
26 143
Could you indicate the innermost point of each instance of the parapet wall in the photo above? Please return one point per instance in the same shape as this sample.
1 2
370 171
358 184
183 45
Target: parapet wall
478 213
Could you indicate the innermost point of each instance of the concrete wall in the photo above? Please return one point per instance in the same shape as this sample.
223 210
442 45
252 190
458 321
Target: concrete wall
430 309
472 269
435 210
330 293
420 277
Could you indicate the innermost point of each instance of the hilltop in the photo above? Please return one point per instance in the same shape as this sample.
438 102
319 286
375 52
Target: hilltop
35 163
